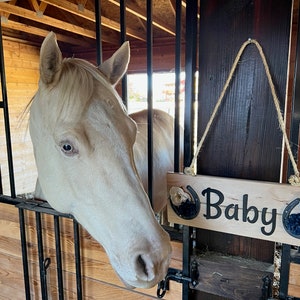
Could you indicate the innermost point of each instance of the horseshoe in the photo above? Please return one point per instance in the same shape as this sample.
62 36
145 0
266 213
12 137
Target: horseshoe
190 208
290 220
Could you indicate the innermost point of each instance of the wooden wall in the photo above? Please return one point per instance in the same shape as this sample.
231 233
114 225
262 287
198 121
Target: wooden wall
21 67
245 141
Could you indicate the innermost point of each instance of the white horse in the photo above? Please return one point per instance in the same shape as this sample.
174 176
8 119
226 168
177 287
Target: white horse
88 150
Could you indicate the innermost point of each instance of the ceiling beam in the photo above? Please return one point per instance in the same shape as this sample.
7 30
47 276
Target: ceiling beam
31 15
41 32
90 15
138 12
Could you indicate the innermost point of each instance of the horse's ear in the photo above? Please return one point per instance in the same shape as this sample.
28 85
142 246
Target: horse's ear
115 67
50 59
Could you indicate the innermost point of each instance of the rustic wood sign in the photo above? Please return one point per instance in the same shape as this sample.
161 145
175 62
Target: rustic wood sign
257 209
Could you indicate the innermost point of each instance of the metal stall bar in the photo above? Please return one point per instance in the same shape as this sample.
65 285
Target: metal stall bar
42 263
24 253
98 31
43 207
122 40
60 283
189 130
4 105
150 98
77 259
177 88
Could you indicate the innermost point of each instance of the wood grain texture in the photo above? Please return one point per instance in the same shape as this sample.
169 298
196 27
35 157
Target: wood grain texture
245 141
249 208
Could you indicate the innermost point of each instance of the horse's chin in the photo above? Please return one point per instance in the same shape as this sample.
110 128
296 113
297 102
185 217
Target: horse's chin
144 285
127 285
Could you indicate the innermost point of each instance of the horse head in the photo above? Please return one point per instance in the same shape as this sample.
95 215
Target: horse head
83 145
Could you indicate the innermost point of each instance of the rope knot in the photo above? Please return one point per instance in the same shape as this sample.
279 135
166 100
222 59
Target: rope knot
295 180
190 170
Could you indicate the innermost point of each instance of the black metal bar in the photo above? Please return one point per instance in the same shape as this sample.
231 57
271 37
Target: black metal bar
43 272
150 98
284 271
189 117
190 67
6 120
177 88
77 259
24 253
42 207
58 259
1 104
186 261
9 200
122 40
98 31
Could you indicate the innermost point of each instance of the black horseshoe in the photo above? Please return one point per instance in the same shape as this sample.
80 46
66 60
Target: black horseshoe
189 209
291 222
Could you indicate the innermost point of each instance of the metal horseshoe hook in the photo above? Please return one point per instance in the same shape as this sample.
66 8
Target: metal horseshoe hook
186 206
291 222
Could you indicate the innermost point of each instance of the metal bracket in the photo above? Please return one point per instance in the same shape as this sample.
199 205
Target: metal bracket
176 275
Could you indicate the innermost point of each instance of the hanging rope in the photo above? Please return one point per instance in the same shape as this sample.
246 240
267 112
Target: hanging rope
191 170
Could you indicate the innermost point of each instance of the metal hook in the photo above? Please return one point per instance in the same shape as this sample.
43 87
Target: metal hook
291 222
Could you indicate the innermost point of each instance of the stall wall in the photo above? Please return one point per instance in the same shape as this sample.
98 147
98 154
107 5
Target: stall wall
22 72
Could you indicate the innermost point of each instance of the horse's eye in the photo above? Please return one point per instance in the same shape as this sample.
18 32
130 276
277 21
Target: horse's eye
68 149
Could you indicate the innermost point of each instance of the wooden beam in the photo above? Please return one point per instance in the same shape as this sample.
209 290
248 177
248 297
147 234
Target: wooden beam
42 32
39 8
90 15
137 11
31 15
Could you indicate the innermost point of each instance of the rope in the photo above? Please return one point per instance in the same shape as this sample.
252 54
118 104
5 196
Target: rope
191 170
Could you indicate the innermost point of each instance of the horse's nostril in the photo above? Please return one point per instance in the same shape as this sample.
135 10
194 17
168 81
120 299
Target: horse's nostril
142 265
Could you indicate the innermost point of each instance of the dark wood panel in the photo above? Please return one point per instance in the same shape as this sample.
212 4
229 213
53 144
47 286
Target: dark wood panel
231 277
245 140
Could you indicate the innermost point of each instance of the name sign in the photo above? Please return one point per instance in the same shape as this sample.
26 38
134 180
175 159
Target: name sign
237 206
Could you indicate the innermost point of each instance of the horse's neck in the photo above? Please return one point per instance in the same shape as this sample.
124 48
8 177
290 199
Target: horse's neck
162 153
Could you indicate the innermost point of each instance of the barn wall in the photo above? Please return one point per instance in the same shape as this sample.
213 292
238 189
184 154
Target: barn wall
21 64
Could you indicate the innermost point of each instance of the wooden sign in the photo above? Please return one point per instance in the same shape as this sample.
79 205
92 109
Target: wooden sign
242 207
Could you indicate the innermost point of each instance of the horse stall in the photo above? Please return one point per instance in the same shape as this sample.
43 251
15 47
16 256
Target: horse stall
231 192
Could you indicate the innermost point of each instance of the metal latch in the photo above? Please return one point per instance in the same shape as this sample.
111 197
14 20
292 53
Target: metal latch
176 275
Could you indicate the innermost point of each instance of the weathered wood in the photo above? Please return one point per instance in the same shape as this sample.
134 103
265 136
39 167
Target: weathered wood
245 141
232 277
242 207
294 280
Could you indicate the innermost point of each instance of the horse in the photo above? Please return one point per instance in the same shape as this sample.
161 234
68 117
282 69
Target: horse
91 160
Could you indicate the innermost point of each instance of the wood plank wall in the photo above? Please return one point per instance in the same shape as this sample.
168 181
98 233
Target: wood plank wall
21 67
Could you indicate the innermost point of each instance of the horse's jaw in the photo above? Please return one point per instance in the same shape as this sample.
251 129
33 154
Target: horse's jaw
139 253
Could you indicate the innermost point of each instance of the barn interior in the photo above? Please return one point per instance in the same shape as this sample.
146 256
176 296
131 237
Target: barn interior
245 142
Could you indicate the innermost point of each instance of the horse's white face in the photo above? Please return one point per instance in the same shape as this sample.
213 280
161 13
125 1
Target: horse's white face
83 144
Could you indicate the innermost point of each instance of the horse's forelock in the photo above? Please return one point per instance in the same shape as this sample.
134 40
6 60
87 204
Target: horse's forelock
75 89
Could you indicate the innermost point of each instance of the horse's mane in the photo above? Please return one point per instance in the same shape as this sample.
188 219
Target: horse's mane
77 86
